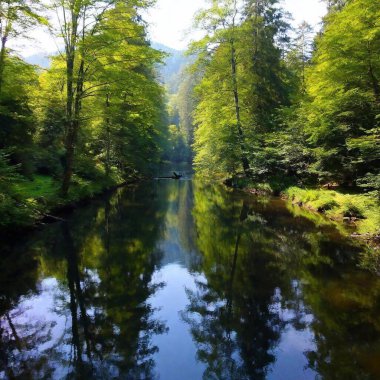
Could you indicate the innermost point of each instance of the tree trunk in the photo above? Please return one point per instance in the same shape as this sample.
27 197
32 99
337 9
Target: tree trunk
74 107
2 61
69 143
108 133
4 39
244 159
375 84
72 111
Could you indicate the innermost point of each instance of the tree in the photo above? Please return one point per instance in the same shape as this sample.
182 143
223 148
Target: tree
16 116
335 5
242 72
186 104
344 92
123 86
264 23
75 18
221 24
16 18
96 41
300 55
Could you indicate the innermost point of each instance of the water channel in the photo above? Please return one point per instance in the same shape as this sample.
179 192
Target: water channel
181 280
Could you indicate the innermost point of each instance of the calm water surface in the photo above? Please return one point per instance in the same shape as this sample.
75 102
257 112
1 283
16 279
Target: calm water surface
176 280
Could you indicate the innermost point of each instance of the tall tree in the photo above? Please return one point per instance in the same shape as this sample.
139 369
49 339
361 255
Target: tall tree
344 89
300 55
265 25
241 57
124 85
75 18
220 22
81 22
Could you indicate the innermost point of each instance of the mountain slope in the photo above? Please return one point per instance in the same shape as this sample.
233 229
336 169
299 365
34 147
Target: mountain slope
171 70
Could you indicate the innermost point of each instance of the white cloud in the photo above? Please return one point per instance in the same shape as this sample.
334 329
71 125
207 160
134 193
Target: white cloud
310 11
171 18
171 21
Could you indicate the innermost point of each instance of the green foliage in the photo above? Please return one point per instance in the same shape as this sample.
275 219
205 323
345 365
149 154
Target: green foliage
286 111
125 101
309 109
118 123
371 181
39 187
16 116
237 104
13 208
344 94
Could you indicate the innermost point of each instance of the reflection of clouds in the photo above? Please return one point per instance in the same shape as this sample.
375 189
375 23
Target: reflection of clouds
221 336
256 301
25 344
177 342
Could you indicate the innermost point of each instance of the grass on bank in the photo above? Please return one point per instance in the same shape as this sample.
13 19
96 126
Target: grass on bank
362 209
28 200
39 186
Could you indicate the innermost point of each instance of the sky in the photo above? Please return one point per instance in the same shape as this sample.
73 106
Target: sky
171 21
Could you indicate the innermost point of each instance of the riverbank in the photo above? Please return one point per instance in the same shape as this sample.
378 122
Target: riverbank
361 211
358 213
36 200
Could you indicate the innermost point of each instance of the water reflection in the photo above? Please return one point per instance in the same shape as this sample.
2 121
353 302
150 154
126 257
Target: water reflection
270 278
19 335
102 263
181 280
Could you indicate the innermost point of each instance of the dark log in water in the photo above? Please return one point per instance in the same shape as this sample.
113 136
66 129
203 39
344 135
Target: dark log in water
174 176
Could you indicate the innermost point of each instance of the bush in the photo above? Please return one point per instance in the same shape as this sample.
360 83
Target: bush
352 211
87 168
49 163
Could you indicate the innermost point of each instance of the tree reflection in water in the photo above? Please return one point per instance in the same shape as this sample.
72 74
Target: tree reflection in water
263 274
20 337
103 261
76 298
232 319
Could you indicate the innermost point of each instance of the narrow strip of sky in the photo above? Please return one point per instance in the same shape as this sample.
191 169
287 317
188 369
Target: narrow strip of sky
170 19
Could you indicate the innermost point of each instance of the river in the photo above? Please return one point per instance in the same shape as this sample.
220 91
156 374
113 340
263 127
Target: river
180 280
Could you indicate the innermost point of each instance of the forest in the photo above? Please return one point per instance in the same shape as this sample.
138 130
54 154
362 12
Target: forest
208 213
258 104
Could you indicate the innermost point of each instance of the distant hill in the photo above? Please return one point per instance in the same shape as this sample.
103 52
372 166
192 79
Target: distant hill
170 72
39 59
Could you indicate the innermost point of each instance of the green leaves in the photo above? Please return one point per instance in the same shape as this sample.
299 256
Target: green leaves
243 84
342 85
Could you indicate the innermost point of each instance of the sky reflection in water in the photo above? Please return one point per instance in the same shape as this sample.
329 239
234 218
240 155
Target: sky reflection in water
181 280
